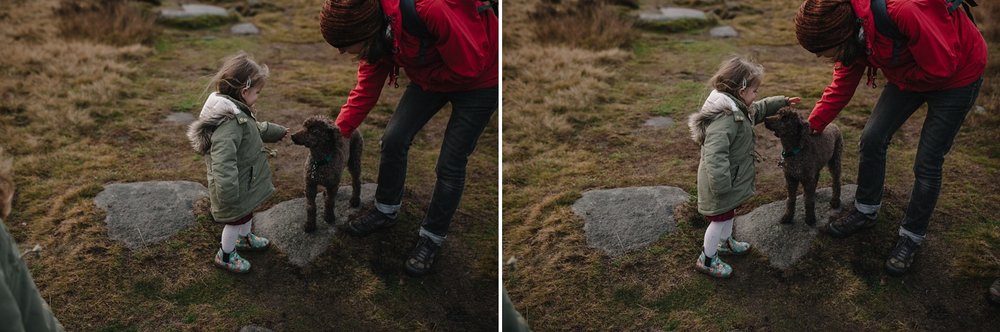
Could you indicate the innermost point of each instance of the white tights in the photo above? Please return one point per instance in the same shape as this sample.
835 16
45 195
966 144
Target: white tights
716 231
233 232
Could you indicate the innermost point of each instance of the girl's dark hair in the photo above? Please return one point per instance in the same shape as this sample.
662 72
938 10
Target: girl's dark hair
735 74
239 72
379 45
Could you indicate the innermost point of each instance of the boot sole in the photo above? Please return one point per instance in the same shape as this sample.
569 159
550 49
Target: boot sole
355 232
416 273
838 235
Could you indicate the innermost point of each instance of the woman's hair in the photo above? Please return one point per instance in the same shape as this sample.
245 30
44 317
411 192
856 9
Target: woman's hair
821 25
377 46
735 74
239 72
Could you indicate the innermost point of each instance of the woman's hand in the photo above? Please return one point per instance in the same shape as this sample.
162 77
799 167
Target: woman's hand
793 101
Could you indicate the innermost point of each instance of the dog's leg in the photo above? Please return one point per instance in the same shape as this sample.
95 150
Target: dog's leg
332 187
835 168
792 184
354 167
809 193
310 206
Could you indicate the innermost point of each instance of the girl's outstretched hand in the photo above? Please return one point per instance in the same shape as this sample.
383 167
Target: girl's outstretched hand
793 101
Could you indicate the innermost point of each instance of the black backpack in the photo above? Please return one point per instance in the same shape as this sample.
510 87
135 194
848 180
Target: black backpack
887 27
416 27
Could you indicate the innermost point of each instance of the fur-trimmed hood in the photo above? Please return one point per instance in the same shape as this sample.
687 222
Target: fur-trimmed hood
718 104
218 108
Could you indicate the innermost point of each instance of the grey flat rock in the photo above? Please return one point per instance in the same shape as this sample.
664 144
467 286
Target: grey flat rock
724 31
784 245
142 213
283 224
245 29
180 118
660 122
192 10
676 13
671 14
979 109
254 328
623 219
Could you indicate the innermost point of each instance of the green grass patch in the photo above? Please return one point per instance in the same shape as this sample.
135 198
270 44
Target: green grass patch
116 326
198 22
686 98
209 291
681 25
691 296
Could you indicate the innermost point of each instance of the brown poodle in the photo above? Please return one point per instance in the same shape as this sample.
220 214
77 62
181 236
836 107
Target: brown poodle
328 152
804 155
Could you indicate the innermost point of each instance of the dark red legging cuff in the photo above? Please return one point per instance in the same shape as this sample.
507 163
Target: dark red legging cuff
241 221
722 217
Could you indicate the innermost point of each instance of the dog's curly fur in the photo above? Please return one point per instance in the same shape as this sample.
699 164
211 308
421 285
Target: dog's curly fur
804 156
328 153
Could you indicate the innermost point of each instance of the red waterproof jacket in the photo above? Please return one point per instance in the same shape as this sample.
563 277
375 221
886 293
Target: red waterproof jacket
944 51
464 56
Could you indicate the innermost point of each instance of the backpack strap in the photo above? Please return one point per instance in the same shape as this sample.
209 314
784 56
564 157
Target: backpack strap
885 26
966 4
415 26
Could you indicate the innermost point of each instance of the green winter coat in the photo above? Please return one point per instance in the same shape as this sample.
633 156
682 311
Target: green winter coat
232 141
724 129
21 306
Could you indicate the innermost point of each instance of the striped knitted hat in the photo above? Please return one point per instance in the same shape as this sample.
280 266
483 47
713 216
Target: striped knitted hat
346 22
824 24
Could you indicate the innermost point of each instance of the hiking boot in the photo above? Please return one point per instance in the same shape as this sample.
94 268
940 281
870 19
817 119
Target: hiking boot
370 223
852 223
995 292
236 264
732 247
901 256
420 260
252 242
713 266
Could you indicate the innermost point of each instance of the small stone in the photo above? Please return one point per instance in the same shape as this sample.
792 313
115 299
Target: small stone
623 219
245 29
254 328
724 31
180 118
660 122
979 109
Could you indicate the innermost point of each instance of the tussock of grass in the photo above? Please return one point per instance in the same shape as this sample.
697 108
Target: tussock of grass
590 24
115 22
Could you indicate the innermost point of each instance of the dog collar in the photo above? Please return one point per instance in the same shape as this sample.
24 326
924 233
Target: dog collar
794 152
326 160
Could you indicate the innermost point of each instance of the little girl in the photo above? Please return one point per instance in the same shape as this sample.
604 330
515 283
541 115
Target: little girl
231 139
724 129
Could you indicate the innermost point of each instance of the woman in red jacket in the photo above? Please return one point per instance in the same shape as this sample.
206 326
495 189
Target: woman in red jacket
939 60
457 63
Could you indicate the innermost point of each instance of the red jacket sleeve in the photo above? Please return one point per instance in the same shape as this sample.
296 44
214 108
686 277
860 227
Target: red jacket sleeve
933 42
464 40
837 94
371 79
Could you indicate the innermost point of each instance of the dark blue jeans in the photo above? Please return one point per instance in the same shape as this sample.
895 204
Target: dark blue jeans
470 114
946 110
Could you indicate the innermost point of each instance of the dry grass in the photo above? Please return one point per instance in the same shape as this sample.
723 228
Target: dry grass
115 22
590 24
592 137
77 114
